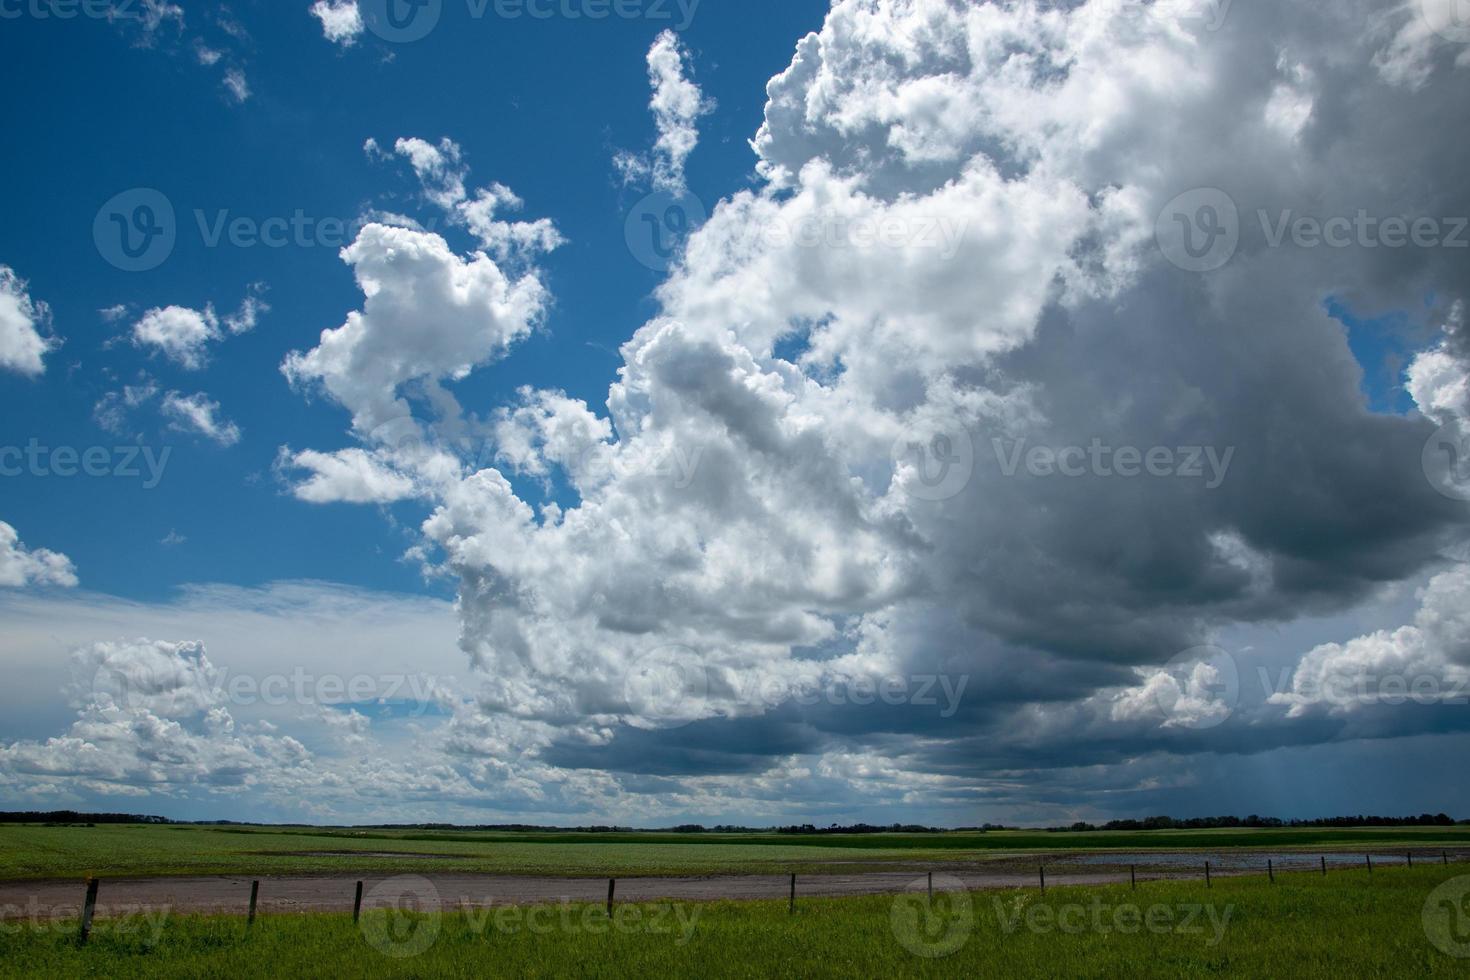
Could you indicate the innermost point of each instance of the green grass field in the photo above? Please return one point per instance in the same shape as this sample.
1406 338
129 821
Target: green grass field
1343 926
143 850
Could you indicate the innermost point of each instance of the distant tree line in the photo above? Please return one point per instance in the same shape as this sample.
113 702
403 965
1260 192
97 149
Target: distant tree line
860 828
1215 823
502 828
496 827
71 816
1148 823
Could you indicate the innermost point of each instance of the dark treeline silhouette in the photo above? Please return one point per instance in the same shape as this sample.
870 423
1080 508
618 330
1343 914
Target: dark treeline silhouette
71 816
1148 823
860 828
1215 823
516 828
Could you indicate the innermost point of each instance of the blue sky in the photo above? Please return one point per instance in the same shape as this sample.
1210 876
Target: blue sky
596 531
540 105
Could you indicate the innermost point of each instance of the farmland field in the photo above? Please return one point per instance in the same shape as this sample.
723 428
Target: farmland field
36 852
1396 922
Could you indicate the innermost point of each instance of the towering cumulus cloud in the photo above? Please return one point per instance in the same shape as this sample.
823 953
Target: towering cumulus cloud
952 393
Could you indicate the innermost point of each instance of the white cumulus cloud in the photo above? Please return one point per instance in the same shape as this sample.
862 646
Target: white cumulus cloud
22 346
348 476
198 414
677 105
341 20
429 315
21 566
184 335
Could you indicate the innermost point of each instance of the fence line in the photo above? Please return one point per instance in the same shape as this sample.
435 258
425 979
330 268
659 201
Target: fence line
93 883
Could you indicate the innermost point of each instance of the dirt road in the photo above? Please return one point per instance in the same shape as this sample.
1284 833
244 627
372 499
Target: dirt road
21 900
49 899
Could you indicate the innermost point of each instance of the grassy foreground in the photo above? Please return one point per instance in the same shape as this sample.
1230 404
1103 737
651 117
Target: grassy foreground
28 851
1305 926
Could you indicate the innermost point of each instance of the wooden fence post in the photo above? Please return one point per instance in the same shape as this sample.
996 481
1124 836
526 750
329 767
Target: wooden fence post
254 894
611 884
1324 866
1271 871
1369 858
1133 876
88 908
931 886
791 907
357 904
1042 870
1410 856
1207 875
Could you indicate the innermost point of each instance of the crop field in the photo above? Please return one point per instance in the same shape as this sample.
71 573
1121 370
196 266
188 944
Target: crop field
39 852
1395 922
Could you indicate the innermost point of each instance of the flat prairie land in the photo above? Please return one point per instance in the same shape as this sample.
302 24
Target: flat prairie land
30 852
